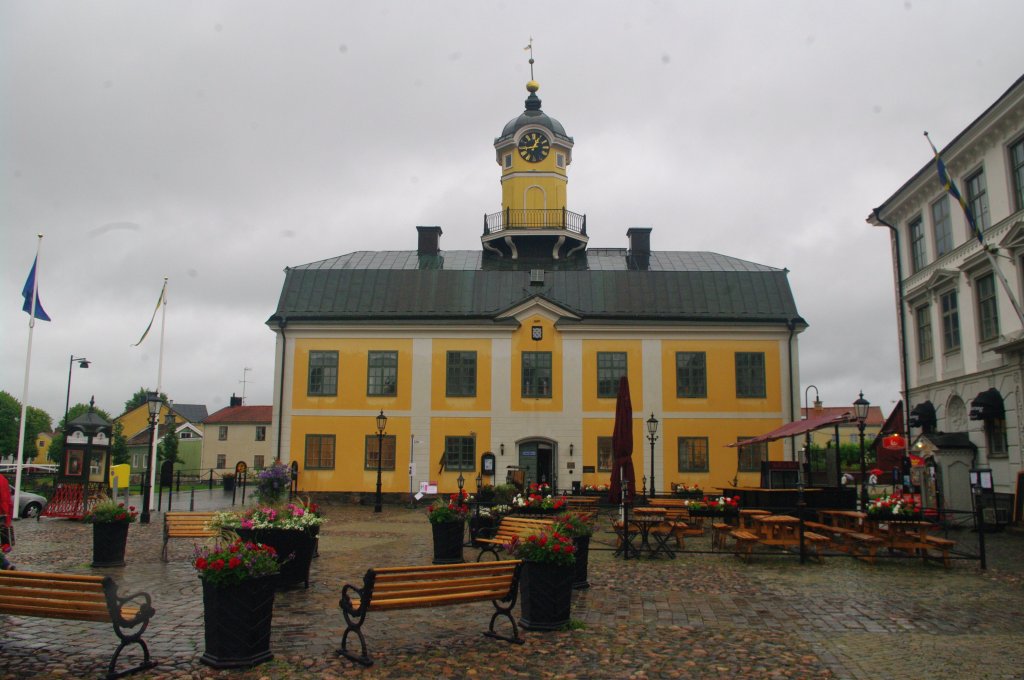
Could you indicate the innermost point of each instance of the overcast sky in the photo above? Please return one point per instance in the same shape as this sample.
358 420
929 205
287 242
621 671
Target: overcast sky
216 143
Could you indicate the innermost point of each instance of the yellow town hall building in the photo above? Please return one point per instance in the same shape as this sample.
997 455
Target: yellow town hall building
517 348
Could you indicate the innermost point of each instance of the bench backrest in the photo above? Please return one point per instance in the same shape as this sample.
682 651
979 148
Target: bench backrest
510 527
190 523
55 596
440 585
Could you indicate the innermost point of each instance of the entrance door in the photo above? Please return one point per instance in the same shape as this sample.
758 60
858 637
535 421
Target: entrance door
536 458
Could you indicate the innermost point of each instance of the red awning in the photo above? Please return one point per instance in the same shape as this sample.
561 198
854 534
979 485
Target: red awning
797 428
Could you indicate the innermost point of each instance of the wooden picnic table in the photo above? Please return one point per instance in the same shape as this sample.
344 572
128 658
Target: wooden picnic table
777 530
748 515
844 519
908 535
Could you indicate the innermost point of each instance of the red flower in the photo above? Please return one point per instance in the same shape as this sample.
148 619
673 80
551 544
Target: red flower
217 565
200 563
233 562
233 548
120 516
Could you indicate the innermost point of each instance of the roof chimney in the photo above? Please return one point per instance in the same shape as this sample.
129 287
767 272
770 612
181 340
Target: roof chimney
429 241
639 240
235 401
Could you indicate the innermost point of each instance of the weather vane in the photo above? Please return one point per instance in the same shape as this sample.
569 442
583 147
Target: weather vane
530 48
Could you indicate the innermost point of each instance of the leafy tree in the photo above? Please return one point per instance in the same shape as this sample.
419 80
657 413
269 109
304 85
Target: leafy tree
36 421
139 398
56 451
167 449
119 446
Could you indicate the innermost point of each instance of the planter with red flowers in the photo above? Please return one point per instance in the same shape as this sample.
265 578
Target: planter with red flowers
238 601
537 500
447 518
580 530
110 522
723 506
546 579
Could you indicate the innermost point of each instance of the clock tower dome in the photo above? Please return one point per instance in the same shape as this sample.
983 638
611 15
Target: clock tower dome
534 154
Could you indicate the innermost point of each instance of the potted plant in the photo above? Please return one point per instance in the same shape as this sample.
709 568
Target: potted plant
272 483
688 491
228 478
893 508
110 522
238 601
538 501
571 524
291 529
545 582
723 506
447 523
483 524
595 489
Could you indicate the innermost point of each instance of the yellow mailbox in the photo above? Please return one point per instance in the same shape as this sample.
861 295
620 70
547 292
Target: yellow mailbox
121 473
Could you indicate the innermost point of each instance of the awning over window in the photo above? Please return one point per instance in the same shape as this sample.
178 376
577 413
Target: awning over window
988 405
797 428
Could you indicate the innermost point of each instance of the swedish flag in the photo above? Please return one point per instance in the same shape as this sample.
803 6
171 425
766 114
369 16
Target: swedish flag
950 186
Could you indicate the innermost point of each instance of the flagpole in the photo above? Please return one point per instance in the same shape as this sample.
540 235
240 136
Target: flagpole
24 391
159 385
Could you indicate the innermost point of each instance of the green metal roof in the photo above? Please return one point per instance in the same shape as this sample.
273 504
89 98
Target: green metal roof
598 285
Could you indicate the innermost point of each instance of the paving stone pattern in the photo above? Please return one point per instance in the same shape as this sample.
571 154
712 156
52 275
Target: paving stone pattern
702 615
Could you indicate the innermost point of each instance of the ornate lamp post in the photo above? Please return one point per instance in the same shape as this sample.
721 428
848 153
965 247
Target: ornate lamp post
652 435
860 412
382 422
807 435
82 363
153 403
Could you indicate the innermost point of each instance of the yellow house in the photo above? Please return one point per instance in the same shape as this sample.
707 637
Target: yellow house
516 349
42 444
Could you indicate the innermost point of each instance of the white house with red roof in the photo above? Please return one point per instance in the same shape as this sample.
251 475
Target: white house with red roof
236 434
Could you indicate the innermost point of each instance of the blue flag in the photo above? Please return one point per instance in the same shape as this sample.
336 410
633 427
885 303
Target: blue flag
950 187
26 293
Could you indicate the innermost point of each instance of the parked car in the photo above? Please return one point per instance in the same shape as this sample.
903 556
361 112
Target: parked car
30 504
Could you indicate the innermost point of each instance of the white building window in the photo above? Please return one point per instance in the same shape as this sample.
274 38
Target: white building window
924 333
943 226
918 256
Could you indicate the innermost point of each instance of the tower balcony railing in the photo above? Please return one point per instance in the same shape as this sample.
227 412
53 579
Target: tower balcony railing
535 218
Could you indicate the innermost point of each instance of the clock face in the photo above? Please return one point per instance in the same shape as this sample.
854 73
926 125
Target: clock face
534 147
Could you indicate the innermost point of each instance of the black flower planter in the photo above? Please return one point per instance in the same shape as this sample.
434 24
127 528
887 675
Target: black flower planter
109 540
582 543
237 620
294 551
448 538
229 483
545 595
481 527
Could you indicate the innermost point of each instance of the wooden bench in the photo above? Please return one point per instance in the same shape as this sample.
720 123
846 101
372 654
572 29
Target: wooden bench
943 545
508 529
815 542
867 543
719 535
186 525
395 588
745 542
80 598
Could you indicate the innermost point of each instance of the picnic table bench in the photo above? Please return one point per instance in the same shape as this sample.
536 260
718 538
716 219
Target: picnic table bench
80 598
186 525
394 588
508 529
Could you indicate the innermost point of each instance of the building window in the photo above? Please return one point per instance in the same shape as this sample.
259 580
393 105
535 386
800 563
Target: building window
537 374
950 322
750 375
924 333
604 454
691 375
751 456
988 312
560 160
370 459
693 454
995 437
319 452
323 374
382 374
461 374
222 461
508 160
977 199
917 247
610 367
257 461
222 433
460 453
261 433
185 434
943 225
1017 170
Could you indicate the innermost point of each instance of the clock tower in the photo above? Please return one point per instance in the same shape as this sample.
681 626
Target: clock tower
534 154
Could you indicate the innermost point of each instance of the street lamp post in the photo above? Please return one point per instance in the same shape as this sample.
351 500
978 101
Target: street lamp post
860 412
82 363
153 402
382 422
807 416
652 435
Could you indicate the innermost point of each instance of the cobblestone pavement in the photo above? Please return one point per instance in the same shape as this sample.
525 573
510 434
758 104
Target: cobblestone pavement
701 615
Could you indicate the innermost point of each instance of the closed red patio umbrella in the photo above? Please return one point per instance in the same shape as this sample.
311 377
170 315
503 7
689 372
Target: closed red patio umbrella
622 446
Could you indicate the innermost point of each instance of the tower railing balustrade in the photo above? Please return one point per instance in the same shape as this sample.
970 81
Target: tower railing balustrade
535 218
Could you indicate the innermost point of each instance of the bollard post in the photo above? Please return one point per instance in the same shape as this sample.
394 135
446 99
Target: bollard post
192 500
211 479
178 487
